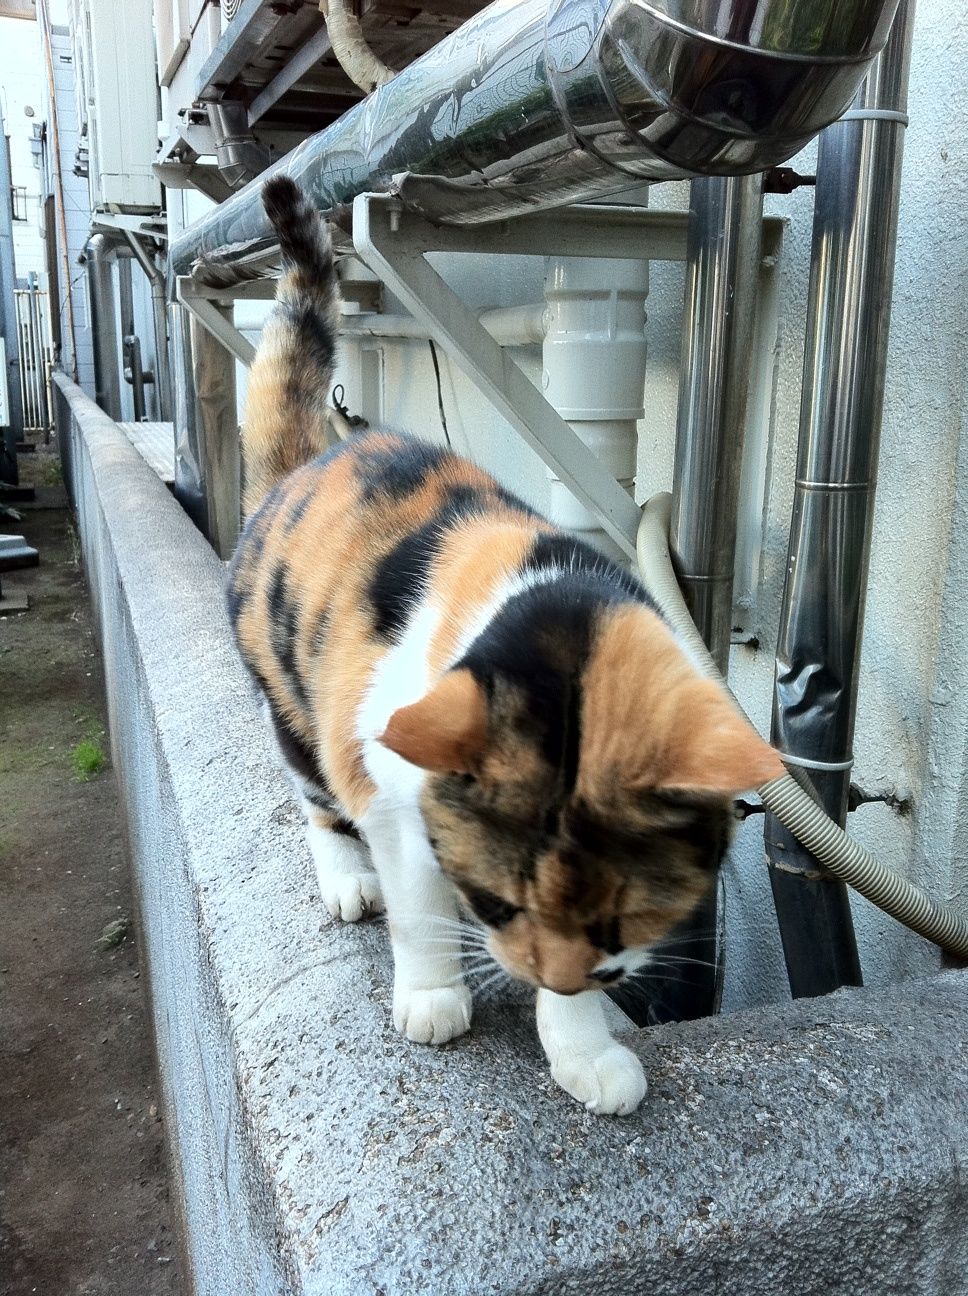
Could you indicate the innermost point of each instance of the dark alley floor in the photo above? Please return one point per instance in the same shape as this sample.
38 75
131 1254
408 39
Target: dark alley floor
84 1205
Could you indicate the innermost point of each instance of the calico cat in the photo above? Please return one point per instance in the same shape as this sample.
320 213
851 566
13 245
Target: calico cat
478 712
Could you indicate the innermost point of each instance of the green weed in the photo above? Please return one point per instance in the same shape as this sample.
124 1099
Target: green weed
88 759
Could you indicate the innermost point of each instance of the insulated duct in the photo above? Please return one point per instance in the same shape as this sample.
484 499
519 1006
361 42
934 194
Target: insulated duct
538 103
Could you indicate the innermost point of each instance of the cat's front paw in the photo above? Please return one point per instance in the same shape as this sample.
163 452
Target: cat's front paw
610 1083
350 896
432 1016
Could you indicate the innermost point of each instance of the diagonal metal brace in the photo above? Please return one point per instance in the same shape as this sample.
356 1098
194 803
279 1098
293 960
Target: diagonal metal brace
392 242
213 320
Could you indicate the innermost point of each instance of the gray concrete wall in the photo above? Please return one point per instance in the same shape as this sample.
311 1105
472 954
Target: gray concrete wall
817 1148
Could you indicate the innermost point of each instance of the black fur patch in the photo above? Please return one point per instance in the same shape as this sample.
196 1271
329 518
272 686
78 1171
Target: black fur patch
284 619
302 236
512 501
315 337
617 584
345 828
397 471
605 936
401 575
492 910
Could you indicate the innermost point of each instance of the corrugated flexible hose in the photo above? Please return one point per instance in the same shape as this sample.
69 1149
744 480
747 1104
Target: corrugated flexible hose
784 797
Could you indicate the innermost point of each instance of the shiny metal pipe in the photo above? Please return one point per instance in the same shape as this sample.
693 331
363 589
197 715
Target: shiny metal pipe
538 103
722 270
100 254
821 622
9 331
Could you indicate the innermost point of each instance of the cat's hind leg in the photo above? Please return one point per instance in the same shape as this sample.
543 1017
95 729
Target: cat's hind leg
348 885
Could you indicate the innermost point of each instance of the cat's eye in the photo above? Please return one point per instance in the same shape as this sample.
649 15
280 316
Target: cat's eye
492 910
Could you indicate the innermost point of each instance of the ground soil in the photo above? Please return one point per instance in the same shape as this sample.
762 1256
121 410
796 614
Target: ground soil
84 1201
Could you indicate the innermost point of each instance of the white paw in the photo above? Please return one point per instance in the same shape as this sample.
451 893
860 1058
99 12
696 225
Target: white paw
611 1083
351 896
432 1016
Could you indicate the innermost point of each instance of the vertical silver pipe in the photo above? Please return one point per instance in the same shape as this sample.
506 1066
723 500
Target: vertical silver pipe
35 354
9 327
207 456
821 622
29 342
20 297
723 259
722 270
134 373
107 374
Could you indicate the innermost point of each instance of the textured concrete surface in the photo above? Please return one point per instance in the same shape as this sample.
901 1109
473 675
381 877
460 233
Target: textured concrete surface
815 1148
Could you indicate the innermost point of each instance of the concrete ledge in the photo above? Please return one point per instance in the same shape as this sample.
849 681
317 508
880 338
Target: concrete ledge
818 1147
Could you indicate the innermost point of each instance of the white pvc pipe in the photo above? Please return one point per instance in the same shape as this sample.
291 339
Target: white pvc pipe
508 326
593 371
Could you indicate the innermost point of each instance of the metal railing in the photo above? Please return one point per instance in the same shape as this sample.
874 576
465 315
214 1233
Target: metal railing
36 357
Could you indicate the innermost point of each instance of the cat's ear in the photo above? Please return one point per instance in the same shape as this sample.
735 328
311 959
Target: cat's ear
717 752
445 731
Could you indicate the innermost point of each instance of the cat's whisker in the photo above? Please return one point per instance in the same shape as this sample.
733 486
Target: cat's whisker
499 977
455 942
687 938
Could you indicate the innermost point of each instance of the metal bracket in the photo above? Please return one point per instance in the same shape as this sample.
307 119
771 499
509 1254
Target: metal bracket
150 226
198 303
393 241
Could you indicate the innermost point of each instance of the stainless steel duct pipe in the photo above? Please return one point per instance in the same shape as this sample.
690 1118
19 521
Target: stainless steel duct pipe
538 103
9 328
818 651
722 269
100 252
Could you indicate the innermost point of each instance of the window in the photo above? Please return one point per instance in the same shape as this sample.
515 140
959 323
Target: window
18 203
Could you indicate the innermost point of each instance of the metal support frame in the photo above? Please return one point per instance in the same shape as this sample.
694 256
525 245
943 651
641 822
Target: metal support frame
205 307
295 67
159 312
393 242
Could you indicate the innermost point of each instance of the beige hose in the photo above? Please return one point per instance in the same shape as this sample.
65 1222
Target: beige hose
784 797
349 45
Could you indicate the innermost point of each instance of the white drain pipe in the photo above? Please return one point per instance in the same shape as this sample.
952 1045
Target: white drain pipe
593 372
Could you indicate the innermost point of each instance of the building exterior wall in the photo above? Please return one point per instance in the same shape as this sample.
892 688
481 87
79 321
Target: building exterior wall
77 210
24 88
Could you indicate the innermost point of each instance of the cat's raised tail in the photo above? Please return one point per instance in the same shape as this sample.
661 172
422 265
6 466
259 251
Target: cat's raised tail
285 420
